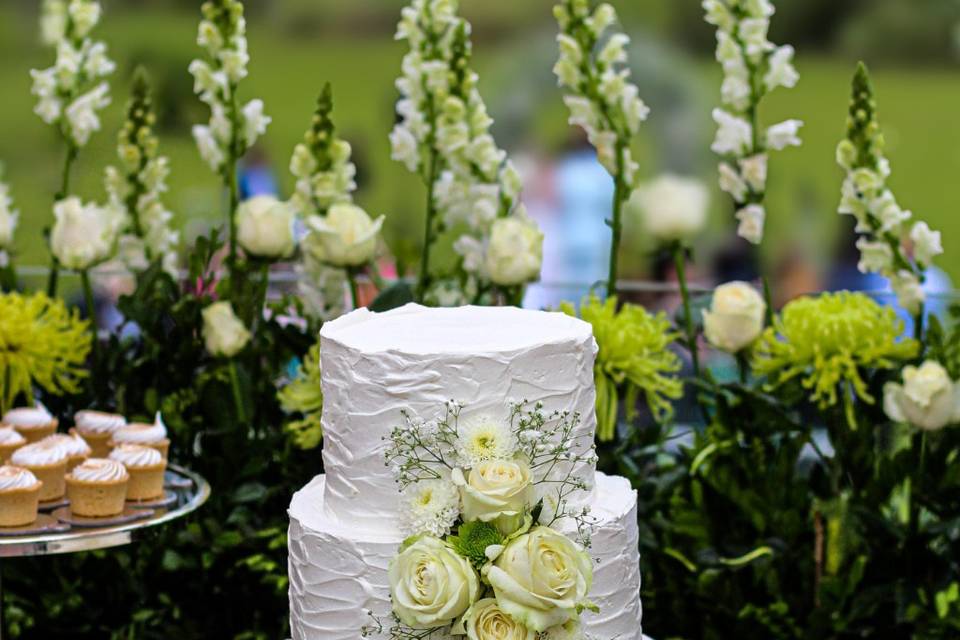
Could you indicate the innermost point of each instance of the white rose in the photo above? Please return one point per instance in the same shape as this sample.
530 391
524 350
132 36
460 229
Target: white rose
497 491
223 332
674 207
345 237
751 219
83 235
265 227
927 399
541 579
430 584
515 252
486 621
735 317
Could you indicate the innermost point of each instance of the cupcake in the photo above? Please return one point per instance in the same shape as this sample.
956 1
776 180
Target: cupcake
146 466
33 423
47 460
150 435
97 488
97 427
10 441
76 447
19 496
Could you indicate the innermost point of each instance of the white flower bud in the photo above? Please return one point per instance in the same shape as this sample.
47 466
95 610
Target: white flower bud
265 227
223 333
735 318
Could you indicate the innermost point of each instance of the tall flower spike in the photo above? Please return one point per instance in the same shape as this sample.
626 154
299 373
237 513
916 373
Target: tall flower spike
325 177
444 136
72 92
752 67
883 225
592 70
137 185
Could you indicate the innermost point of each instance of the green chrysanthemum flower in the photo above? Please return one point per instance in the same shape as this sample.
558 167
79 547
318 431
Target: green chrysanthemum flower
826 342
634 352
42 344
303 395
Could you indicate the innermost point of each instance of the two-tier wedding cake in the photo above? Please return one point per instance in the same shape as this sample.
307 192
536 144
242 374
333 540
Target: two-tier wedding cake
408 367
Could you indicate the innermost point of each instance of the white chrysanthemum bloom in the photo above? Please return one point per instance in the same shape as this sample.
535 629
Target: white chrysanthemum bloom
430 507
484 438
752 67
70 93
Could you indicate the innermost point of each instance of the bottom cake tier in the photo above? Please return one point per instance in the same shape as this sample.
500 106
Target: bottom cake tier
338 575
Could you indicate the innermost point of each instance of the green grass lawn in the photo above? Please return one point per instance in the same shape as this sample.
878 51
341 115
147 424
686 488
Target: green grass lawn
918 109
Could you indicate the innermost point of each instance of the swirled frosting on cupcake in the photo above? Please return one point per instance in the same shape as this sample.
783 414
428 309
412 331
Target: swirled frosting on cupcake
27 417
141 433
45 453
98 421
99 470
74 445
11 437
136 456
16 478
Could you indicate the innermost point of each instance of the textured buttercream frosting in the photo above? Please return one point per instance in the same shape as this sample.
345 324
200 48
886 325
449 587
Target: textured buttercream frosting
72 444
27 417
98 421
416 359
142 433
11 437
99 470
136 456
338 573
44 453
16 478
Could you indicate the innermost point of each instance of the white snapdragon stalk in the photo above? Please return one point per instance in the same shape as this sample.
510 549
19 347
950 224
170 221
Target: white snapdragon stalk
752 67
9 217
592 71
444 136
325 177
137 184
232 128
882 223
71 93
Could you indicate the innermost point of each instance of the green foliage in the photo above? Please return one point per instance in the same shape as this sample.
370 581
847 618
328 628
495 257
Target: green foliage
634 357
472 540
827 341
42 343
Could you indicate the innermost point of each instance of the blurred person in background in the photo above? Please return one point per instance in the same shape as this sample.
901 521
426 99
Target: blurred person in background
257 177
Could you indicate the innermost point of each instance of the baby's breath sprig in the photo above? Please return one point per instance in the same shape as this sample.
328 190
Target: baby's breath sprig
421 450
880 220
601 99
137 185
556 451
398 630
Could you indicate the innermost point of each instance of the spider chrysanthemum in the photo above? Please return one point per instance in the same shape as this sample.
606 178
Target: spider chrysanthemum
41 344
828 341
431 507
484 439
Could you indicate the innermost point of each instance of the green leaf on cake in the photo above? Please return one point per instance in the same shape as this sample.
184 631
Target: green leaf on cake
472 540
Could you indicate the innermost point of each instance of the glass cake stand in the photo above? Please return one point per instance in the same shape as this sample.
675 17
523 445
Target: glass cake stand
185 492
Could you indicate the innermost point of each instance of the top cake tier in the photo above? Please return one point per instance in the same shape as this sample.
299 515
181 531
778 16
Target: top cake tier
416 359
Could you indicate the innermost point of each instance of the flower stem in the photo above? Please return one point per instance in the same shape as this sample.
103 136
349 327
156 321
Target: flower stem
354 292
679 260
92 316
768 299
616 224
423 282
237 396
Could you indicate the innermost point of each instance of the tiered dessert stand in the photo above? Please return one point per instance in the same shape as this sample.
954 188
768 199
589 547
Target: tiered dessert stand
186 491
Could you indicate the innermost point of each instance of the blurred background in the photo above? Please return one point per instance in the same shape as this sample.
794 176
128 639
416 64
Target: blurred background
912 46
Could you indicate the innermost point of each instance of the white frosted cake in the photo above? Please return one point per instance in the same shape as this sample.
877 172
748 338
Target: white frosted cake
346 525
